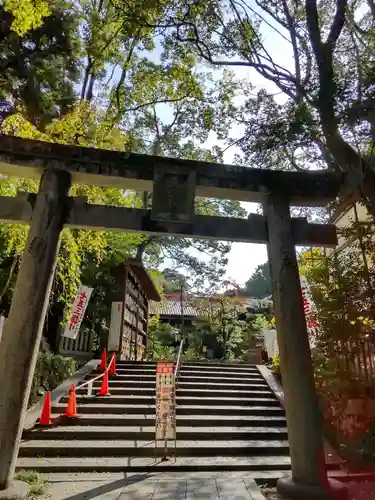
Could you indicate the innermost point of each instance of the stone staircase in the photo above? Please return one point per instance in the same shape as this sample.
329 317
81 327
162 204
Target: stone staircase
227 419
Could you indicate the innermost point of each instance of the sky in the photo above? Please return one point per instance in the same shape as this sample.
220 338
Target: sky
245 257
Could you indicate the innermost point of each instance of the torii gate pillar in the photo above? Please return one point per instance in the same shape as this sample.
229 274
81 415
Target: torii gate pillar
23 328
309 477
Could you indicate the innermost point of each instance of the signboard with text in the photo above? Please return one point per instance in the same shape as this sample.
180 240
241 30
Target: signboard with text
78 311
165 424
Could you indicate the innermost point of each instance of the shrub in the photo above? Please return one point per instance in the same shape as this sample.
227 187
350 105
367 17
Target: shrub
191 354
50 371
162 353
37 486
276 365
275 368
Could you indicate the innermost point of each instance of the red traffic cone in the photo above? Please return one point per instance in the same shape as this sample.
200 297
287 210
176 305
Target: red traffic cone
112 366
45 417
103 363
104 390
71 410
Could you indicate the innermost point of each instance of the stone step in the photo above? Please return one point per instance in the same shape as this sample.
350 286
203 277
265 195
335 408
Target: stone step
204 401
213 384
132 379
144 464
204 421
151 373
182 392
168 475
144 448
247 375
100 406
135 364
190 364
222 379
83 432
151 384
218 366
132 371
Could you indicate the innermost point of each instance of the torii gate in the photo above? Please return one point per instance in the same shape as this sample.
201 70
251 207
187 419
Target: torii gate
175 184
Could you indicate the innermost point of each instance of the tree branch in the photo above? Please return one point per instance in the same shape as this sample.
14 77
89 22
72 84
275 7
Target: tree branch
338 22
313 25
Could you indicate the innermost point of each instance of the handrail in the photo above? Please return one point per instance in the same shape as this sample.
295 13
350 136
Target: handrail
90 382
178 362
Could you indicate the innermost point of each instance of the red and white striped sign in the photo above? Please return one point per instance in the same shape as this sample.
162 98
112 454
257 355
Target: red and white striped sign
310 310
78 312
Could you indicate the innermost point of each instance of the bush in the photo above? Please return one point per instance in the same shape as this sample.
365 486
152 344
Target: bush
276 365
191 354
50 371
162 353
37 486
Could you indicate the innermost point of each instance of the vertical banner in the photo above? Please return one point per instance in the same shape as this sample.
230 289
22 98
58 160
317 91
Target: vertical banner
165 421
78 312
115 326
309 310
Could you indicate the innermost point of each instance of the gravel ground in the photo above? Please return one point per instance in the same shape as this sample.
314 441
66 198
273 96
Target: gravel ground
270 493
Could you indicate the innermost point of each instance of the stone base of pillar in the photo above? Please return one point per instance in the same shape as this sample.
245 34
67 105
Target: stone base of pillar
17 491
290 490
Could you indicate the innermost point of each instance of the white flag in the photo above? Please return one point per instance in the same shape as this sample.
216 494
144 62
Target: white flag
78 312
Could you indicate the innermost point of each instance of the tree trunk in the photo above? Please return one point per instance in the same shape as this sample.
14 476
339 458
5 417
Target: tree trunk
53 324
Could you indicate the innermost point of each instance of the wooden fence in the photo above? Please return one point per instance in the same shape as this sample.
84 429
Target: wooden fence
359 358
80 348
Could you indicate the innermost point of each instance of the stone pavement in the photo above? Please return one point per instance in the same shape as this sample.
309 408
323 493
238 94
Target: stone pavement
162 486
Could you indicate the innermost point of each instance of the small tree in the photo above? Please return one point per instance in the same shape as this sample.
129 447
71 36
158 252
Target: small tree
342 286
259 283
228 328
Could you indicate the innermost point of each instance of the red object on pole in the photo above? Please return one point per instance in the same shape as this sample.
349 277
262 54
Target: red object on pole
112 366
104 390
71 410
45 417
103 363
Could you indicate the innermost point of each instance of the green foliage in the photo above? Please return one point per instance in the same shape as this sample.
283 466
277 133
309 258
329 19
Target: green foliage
40 52
227 328
173 280
162 341
50 371
32 478
191 354
259 283
342 287
161 352
316 111
83 254
276 365
27 14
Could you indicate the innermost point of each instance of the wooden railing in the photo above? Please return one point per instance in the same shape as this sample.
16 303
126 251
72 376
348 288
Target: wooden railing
359 358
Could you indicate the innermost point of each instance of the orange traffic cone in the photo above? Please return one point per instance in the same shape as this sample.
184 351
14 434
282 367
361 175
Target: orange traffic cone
103 363
104 390
112 367
71 410
45 417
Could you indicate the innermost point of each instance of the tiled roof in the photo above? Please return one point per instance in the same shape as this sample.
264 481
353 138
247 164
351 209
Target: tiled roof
172 308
